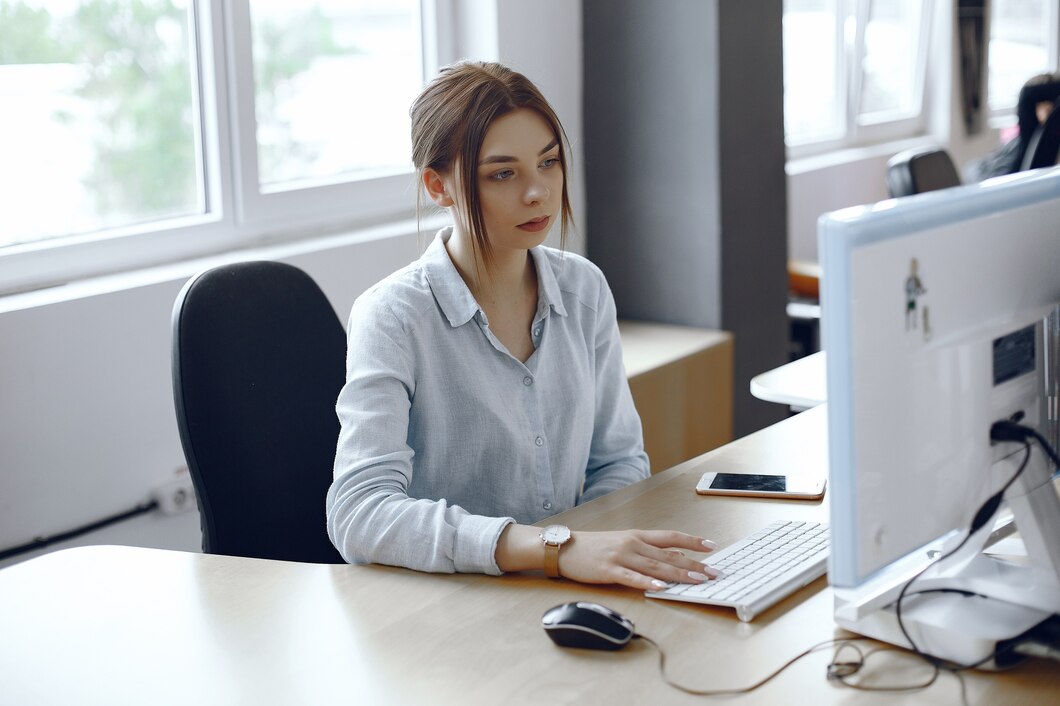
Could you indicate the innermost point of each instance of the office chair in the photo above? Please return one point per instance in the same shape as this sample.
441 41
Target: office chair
1044 144
258 361
920 169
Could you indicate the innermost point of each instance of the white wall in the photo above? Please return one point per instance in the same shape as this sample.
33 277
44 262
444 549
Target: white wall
87 425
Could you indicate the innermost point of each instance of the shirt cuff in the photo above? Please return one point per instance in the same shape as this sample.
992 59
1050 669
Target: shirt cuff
475 547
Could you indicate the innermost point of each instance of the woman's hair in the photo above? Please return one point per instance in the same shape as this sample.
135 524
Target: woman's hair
449 122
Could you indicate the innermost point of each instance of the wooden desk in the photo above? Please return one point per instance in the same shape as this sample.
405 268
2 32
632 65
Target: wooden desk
117 625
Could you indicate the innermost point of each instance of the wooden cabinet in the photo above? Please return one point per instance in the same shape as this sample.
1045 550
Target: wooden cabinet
681 380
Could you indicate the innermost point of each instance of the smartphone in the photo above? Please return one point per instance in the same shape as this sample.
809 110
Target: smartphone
760 486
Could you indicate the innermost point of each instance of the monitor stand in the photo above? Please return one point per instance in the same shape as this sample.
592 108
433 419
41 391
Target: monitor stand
977 600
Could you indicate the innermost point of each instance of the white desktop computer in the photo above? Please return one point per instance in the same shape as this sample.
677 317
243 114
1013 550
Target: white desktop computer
939 319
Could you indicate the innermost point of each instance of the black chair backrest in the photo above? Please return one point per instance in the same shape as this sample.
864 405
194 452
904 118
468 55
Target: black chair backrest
920 169
1044 144
258 362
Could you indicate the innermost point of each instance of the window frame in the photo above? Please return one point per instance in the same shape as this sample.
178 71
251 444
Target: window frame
857 130
237 215
1006 115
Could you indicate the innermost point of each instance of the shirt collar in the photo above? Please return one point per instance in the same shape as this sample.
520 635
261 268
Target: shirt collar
456 300
548 292
448 286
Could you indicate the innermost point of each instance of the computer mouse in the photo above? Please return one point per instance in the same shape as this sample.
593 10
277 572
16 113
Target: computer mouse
588 626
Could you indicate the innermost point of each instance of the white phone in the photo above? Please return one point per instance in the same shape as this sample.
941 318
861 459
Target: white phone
760 486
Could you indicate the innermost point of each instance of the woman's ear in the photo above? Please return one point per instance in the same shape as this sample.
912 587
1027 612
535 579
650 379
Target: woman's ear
436 188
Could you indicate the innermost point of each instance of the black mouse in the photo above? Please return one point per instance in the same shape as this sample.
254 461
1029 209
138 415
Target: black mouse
587 625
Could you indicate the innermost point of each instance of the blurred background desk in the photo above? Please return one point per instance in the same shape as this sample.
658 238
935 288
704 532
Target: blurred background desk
801 384
120 625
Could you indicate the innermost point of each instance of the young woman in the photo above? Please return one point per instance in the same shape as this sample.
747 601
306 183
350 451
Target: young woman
485 389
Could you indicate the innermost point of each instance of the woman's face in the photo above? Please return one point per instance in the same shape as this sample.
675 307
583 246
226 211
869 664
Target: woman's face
520 180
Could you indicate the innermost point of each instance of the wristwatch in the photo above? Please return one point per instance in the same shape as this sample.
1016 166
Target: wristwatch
554 537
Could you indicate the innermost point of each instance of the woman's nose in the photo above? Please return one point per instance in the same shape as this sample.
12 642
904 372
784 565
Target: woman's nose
536 191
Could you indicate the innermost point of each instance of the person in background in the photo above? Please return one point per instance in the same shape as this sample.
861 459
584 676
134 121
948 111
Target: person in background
485 388
1036 101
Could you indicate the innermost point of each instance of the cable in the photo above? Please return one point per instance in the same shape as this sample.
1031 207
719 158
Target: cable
853 668
843 670
1049 450
41 542
1008 430
838 670
744 690
982 516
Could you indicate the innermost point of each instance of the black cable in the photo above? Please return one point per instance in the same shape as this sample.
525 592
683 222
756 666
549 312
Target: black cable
1049 450
982 516
838 670
41 542
842 671
853 668
1001 431
746 689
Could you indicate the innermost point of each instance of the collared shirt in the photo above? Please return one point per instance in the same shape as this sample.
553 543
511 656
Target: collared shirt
446 438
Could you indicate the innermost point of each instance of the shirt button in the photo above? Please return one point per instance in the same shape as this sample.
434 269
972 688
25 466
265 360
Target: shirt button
528 381
539 441
537 331
547 505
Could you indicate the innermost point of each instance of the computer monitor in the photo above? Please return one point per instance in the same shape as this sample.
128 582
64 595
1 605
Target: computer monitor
935 321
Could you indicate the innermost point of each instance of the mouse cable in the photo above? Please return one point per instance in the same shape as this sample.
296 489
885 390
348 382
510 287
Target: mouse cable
838 670
843 670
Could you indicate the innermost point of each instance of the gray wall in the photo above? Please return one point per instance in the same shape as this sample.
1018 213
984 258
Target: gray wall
685 183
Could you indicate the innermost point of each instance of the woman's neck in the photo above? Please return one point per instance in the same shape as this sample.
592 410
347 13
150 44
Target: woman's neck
508 278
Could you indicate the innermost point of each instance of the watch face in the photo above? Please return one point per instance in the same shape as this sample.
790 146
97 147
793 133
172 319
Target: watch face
555 534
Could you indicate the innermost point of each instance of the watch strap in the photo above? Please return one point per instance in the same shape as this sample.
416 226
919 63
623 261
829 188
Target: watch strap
552 560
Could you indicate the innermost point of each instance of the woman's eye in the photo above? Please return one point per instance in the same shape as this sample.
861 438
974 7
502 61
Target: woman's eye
550 162
502 175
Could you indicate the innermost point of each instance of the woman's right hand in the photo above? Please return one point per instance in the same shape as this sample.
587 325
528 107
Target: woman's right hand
641 559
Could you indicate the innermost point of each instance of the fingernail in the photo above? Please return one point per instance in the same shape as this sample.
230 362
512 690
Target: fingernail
696 576
658 584
713 572
709 544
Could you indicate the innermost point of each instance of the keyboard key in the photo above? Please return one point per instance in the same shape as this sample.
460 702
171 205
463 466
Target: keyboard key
761 569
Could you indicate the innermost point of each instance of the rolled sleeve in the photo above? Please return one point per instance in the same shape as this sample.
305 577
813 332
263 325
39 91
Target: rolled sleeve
370 517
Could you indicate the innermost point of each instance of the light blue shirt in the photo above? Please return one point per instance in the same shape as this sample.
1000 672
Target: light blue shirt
447 438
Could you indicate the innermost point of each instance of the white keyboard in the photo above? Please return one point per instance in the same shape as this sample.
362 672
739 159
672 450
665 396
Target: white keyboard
760 569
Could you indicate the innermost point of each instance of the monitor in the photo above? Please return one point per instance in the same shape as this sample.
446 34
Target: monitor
936 313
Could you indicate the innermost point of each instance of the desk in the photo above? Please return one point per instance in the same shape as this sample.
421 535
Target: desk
800 384
118 625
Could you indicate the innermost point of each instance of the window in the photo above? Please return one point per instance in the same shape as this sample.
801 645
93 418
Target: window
98 131
305 132
150 130
1023 37
853 71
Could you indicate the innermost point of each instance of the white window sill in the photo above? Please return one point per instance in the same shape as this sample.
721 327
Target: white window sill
850 155
183 269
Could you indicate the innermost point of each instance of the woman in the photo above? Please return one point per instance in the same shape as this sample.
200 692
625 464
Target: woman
485 388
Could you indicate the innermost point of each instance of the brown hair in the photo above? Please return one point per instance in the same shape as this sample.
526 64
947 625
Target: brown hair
450 119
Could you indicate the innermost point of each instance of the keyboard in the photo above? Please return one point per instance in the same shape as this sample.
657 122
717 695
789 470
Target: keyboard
760 569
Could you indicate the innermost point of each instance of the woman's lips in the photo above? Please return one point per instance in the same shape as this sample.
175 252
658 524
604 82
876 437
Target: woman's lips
534 225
